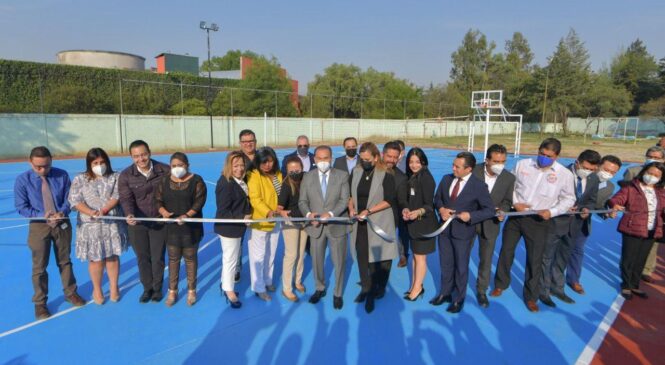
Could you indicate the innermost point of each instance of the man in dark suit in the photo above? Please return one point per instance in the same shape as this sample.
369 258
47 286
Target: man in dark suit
302 151
500 183
391 153
348 162
564 229
465 199
609 167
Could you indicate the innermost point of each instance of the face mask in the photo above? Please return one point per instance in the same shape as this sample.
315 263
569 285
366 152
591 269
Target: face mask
323 166
583 173
178 172
302 151
497 169
650 160
99 170
604 176
544 161
295 176
367 165
650 179
351 152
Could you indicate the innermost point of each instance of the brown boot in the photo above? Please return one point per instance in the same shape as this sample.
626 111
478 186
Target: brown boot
171 297
41 312
191 297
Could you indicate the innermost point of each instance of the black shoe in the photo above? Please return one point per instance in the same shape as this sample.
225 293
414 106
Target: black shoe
640 293
420 295
627 294
338 303
235 305
369 304
482 300
41 312
564 298
237 277
317 296
380 293
455 307
145 297
440 299
157 296
547 301
361 297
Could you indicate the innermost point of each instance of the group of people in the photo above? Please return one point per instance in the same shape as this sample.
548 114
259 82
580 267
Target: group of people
386 204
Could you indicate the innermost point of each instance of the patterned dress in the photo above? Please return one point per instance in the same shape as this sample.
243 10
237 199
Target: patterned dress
98 239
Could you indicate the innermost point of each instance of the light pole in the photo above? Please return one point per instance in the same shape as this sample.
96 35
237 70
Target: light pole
214 27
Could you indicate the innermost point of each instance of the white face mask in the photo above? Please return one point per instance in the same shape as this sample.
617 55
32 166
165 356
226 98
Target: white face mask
497 169
583 173
178 172
99 170
650 179
604 176
651 160
323 166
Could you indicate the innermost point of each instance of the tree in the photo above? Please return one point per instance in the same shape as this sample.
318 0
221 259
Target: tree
606 99
637 71
190 107
230 61
470 63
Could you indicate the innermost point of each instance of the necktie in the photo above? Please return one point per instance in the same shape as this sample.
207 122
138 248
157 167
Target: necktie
453 196
49 204
324 184
579 187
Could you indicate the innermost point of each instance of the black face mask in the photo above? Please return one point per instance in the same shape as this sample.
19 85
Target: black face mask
351 152
367 165
302 151
296 176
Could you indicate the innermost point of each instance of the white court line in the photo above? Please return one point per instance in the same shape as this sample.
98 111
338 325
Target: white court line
598 337
6 190
20 225
210 182
69 310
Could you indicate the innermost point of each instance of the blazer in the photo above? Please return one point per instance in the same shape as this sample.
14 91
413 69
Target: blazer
262 198
587 200
400 182
631 172
415 193
474 198
501 195
232 203
340 164
312 164
137 193
635 218
337 197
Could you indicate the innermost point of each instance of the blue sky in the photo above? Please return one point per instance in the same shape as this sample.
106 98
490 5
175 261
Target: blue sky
414 39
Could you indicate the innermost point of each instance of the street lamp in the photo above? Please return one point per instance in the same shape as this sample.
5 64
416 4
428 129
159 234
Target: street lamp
214 27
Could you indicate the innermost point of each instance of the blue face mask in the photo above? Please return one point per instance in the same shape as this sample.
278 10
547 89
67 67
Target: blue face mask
544 161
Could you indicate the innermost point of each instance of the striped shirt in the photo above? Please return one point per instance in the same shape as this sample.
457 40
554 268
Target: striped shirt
277 184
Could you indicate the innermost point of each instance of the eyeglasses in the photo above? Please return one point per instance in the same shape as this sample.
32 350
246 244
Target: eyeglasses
303 146
250 141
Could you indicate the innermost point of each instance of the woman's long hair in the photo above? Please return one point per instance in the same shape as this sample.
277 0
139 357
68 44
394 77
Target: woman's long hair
227 172
264 154
293 184
374 151
92 155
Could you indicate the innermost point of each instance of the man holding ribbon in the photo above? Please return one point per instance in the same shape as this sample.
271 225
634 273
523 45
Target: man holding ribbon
543 189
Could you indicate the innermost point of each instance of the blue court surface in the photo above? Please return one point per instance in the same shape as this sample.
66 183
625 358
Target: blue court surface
281 332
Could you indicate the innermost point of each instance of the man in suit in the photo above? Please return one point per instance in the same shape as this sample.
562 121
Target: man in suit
349 161
302 151
565 229
464 198
324 193
390 156
401 161
500 183
609 167
654 154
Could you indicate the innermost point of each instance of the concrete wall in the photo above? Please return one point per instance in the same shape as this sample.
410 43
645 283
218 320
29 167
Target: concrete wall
69 134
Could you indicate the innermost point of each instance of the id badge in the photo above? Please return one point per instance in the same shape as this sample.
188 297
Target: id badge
413 192
64 225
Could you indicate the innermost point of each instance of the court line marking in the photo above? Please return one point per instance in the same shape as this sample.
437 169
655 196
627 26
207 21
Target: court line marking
69 310
210 182
596 340
20 225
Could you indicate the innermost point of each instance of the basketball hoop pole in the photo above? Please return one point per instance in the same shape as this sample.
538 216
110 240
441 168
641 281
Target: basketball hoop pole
487 132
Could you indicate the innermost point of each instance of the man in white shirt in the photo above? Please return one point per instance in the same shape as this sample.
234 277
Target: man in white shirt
545 186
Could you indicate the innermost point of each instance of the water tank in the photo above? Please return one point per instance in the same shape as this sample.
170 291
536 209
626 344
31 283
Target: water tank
103 59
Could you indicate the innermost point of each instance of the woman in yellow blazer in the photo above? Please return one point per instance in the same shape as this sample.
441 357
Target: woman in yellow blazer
264 183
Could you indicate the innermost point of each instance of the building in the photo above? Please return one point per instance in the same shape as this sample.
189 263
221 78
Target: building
102 59
169 62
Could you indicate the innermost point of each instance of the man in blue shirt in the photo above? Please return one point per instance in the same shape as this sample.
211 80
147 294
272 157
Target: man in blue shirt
42 193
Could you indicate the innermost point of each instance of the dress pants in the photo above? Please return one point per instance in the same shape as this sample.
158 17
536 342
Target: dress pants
454 255
373 275
40 238
558 246
634 253
337 254
574 268
650 265
230 249
262 246
149 243
295 240
486 245
534 231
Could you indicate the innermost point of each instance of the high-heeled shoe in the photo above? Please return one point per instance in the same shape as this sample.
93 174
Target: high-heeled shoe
98 300
191 297
115 296
234 304
420 295
171 297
